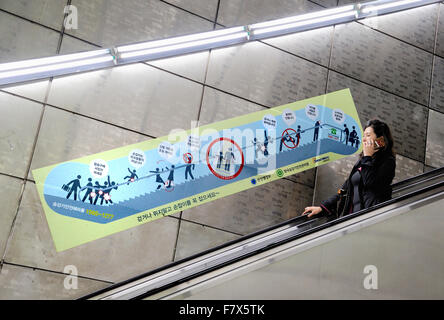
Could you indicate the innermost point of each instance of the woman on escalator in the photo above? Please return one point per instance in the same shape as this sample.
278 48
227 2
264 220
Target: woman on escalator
369 182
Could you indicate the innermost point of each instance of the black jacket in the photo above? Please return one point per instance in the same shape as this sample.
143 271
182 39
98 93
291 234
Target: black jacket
377 174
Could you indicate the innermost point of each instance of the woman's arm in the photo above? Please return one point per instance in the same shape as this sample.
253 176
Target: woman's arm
330 205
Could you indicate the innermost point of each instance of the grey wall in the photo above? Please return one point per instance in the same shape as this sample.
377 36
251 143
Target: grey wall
394 66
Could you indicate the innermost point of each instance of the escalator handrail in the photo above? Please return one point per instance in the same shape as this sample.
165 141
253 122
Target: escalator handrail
296 236
291 222
421 177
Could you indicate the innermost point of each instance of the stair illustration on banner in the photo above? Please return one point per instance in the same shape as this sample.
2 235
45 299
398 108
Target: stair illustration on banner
155 198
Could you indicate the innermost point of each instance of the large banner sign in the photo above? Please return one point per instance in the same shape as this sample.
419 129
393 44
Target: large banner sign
95 196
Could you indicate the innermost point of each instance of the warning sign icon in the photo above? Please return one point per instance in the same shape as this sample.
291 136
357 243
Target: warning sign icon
225 158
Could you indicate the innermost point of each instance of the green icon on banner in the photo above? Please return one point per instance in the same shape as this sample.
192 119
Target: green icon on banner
279 173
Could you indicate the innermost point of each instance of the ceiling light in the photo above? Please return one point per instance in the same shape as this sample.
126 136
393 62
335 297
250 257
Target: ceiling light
48 67
182 45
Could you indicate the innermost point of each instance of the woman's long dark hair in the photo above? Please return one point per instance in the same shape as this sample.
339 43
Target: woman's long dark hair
382 129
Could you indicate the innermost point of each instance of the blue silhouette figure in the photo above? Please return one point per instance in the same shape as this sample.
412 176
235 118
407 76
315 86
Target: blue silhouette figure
255 148
347 133
188 171
158 178
75 185
170 176
316 130
298 133
107 192
220 159
99 191
259 146
357 142
88 192
353 136
287 138
266 144
228 156
132 176
97 188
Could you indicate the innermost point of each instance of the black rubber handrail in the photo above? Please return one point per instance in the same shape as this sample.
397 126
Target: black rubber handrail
419 178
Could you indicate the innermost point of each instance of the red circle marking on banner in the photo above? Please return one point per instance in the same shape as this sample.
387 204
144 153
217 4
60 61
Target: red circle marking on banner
213 171
187 157
170 184
296 137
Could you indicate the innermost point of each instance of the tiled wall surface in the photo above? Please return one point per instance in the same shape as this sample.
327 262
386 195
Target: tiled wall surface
394 66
